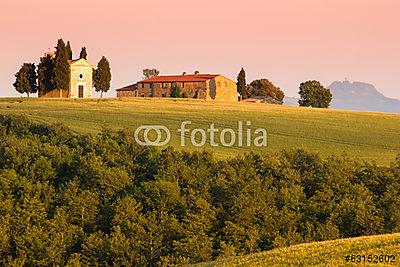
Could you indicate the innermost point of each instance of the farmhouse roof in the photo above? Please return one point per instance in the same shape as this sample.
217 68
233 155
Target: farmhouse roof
131 87
180 78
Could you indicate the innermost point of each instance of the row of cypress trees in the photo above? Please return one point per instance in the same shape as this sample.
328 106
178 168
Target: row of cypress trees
54 72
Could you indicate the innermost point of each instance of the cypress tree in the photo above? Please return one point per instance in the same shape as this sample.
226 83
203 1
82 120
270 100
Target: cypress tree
83 53
45 74
69 51
26 79
102 77
61 66
241 84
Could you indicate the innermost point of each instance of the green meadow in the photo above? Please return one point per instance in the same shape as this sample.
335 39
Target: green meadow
327 253
364 135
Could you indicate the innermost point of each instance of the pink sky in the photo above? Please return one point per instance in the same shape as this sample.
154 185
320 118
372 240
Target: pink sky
285 41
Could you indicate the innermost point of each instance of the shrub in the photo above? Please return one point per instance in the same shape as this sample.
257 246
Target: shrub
185 94
175 92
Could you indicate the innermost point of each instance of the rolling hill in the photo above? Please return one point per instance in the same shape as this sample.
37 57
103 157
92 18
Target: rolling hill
327 253
367 136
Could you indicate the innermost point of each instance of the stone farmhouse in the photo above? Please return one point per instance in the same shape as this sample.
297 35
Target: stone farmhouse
81 83
201 86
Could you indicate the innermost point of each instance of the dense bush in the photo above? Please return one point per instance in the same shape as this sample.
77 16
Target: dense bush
176 92
265 88
69 199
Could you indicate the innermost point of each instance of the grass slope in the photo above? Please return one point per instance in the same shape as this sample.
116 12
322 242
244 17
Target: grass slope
368 136
327 253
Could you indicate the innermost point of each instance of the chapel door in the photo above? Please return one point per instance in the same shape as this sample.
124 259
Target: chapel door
80 91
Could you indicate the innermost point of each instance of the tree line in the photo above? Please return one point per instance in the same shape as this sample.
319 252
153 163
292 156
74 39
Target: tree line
53 72
69 200
312 93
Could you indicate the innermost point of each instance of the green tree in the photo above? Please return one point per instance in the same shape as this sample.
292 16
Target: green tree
391 202
26 79
83 53
149 73
241 84
61 67
102 78
313 94
69 50
175 92
264 87
45 74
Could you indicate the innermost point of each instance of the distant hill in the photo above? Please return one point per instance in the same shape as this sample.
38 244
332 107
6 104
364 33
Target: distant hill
291 101
361 96
356 96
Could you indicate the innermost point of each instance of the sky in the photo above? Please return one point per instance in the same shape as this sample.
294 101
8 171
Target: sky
286 41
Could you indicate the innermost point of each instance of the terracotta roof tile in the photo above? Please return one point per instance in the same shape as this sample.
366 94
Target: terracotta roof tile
131 87
181 78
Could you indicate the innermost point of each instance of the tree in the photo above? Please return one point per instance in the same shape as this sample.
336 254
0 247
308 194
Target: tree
61 67
241 84
73 199
102 77
69 50
26 79
264 87
313 94
45 74
149 73
83 53
175 92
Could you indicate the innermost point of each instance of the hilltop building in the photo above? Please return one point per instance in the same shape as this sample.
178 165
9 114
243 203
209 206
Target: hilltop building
201 86
81 81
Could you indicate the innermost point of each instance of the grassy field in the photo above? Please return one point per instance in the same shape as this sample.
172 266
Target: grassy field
367 136
328 253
